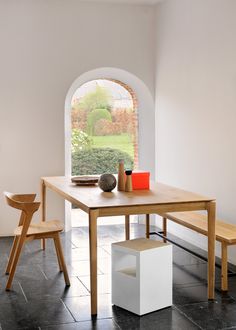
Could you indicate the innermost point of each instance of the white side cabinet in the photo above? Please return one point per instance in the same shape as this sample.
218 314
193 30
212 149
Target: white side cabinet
142 275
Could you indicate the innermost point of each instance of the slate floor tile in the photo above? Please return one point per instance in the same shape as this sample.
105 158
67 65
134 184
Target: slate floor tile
15 295
75 268
231 285
81 268
80 307
105 324
82 254
191 274
3 259
184 259
212 315
104 265
53 288
24 328
104 283
165 319
28 272
107 248
5 244
33 314
184 295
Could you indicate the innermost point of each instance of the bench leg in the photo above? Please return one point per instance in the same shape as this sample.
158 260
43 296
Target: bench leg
164 228
224 267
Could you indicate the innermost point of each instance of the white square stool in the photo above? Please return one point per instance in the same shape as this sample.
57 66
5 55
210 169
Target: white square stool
142 275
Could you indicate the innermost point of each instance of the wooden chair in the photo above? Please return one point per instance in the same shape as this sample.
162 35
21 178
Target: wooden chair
27 232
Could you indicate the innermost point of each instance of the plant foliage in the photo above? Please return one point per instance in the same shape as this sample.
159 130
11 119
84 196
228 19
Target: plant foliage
80 140
98 161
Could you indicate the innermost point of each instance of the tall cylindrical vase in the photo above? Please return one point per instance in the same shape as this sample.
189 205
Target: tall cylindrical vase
121 176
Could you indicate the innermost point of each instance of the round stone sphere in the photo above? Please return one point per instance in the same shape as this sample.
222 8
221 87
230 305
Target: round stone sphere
107 182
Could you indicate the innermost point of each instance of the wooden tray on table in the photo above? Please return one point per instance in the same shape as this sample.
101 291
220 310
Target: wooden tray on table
85 180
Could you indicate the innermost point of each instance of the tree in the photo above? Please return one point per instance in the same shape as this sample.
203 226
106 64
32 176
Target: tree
101 98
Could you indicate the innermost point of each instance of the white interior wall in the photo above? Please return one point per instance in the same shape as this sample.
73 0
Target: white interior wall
45 46
195 102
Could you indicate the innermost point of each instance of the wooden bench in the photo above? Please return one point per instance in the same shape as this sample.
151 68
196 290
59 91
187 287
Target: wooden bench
225 233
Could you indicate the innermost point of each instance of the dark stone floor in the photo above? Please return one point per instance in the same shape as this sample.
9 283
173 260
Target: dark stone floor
39 299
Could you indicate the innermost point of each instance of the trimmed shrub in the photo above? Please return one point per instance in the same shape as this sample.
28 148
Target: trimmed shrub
96 115
99 161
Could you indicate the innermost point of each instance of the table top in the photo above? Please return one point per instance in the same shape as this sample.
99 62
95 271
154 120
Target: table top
92 197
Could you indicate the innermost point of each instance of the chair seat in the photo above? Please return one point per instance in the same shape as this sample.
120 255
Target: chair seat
41 228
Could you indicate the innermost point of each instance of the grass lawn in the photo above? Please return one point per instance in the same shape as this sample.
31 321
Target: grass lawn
122 142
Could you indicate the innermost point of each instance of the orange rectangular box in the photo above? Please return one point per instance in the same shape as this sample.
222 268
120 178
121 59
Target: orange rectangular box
140 180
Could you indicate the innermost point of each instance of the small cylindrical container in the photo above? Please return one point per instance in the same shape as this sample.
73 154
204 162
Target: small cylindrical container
121 176
128 182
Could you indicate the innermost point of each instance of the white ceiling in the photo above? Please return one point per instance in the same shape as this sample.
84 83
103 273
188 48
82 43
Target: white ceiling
131 2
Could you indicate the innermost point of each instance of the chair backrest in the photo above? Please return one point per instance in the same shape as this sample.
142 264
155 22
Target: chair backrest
25 203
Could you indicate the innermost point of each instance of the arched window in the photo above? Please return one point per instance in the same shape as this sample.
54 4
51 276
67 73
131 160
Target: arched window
103 127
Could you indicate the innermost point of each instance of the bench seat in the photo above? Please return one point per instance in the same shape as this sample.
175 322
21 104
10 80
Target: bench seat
225 233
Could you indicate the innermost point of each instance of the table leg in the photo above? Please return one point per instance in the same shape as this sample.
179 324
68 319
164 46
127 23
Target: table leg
127 227
211 209
164 228
93 214
43 209
147 225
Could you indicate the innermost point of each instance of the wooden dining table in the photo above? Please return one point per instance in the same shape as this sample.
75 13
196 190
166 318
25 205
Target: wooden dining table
160 198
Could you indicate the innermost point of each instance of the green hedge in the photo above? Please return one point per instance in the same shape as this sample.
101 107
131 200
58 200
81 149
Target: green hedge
99 161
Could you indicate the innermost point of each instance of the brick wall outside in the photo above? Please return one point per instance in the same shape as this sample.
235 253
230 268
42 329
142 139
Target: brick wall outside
135 118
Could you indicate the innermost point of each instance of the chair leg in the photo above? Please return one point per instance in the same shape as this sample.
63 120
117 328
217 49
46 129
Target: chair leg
14 262
62 260
224 267
12 253
58 254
